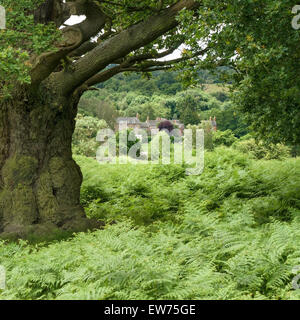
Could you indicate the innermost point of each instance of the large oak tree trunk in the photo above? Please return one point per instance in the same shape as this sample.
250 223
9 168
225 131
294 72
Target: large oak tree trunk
39 180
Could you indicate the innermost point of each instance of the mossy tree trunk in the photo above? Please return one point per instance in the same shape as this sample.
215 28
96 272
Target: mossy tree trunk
39 181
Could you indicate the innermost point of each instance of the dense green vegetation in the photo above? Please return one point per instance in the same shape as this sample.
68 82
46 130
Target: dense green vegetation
231 233
257 40
130 95
84 137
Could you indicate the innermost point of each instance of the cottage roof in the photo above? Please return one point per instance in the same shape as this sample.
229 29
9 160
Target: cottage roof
149 123
129 120
153 122
144 125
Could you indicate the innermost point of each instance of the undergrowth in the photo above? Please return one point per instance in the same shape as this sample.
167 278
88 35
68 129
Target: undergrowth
230 233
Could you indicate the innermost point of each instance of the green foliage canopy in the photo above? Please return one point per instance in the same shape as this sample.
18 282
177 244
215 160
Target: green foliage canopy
254 38
21 39
257 40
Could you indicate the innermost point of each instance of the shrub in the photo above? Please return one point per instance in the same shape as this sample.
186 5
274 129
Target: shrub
225 138
84 138
90 193
260 150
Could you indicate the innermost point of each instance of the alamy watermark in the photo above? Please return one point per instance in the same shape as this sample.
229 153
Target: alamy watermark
296 18
2 278
2 18
296 279
152 147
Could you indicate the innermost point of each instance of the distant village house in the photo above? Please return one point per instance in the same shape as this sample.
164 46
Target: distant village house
148 125
152 126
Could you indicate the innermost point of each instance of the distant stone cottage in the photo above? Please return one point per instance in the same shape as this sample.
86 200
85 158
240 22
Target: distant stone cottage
148 125
153 125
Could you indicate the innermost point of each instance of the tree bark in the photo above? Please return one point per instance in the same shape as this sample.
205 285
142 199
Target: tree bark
39 180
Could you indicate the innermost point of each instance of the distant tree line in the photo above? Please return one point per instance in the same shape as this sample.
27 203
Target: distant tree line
163 95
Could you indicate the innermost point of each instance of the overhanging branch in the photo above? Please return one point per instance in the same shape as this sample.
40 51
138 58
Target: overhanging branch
73 38
122 44
134 64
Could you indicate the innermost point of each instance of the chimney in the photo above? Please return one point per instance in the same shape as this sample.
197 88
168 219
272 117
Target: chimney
137 116
215 123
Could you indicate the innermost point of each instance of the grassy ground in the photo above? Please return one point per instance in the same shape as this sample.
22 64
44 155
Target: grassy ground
231 233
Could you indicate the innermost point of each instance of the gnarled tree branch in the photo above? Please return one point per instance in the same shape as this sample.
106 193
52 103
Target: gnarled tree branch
73 38
121 45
